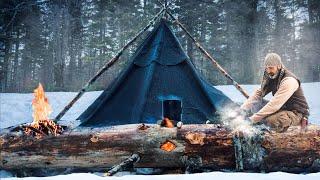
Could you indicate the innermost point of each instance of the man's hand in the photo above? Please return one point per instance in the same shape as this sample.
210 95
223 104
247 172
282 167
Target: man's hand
247 119
254 120
245 112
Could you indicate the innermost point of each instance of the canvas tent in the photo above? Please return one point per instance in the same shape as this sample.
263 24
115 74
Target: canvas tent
159 70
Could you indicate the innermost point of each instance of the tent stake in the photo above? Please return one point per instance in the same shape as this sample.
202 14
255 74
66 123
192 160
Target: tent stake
207 55
106 66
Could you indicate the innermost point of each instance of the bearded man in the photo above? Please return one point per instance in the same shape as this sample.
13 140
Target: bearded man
288 106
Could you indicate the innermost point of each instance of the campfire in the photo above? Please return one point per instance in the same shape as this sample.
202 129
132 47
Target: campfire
171 112
41 125
166 122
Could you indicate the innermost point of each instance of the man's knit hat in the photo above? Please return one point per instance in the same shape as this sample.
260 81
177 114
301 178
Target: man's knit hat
272 59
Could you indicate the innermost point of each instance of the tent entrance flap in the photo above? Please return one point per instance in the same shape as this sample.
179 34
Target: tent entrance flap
172 109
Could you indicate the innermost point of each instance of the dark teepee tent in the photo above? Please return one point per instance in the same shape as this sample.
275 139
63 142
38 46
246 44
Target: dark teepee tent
160 74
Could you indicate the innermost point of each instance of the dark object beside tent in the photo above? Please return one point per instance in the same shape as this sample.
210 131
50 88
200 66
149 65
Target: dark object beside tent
159 70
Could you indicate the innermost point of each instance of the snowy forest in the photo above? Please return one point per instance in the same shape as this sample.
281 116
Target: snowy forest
62 43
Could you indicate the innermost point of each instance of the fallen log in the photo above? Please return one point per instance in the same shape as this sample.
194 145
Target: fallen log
205 146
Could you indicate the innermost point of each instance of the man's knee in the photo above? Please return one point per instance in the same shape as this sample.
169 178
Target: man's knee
279 121
295 117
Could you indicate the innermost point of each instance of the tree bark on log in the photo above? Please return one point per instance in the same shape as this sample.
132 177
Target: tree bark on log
204 146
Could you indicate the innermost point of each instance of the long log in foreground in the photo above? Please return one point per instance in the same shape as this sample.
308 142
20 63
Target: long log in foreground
203 146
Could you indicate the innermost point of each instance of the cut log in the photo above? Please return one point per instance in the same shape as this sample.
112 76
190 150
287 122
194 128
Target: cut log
204 146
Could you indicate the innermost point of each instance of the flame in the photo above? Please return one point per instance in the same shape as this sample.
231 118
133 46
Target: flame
42 125
41 107
166 122
168 146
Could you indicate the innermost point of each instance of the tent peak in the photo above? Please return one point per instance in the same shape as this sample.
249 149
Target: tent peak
161 46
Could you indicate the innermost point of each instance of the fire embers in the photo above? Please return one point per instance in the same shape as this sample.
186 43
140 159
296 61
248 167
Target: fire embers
166 122
168 146
43 128
41 125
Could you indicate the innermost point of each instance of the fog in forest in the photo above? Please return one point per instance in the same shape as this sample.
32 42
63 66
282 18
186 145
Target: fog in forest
62 44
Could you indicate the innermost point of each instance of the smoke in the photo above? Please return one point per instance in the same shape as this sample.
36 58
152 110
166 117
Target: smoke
247 139
235 119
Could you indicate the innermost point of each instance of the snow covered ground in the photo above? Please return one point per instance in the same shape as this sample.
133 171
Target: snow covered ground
16 109
202 176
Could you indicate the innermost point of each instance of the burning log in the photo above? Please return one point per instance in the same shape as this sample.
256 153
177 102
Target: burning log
206 146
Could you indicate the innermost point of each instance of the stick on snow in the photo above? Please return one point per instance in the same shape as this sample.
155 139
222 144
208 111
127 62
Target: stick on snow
128 162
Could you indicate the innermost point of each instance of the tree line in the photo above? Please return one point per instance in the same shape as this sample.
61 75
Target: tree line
62 43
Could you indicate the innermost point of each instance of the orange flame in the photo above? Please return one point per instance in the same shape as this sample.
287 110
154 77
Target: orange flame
40 105
166 122
168 146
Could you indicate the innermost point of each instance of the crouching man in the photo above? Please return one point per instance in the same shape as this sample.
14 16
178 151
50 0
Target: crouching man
288 106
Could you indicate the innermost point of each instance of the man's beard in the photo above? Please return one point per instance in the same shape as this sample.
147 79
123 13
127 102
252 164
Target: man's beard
274 76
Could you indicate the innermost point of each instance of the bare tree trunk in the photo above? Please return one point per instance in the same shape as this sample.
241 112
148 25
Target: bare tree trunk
251 57
5 67
16 63
27 61
61 45
314 27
